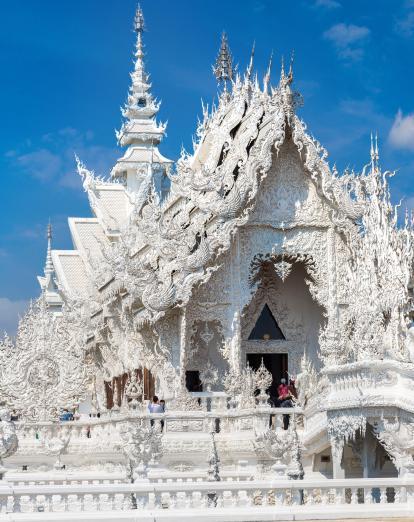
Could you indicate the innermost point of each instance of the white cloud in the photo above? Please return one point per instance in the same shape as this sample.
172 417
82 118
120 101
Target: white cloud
348 40
401 135
10 311
52 158
42 164
404 24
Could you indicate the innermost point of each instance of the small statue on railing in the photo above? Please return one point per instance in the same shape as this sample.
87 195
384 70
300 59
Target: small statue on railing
233 384
295 468
209 376
141 445
263 380
283 447
55 446
8 438
134 392
240 386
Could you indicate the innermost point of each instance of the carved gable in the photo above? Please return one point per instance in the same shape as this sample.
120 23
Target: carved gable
287 194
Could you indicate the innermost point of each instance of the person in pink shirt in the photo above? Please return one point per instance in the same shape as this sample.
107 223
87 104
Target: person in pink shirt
283 391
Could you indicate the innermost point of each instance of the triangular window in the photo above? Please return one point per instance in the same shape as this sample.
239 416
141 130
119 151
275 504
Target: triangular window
266 327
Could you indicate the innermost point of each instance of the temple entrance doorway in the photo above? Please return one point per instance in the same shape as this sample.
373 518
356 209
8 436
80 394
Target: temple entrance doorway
275 363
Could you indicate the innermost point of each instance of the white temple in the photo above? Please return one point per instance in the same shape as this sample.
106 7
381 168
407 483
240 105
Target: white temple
206 282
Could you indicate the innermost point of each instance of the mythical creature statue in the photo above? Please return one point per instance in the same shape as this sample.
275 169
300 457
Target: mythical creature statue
8 440
141 444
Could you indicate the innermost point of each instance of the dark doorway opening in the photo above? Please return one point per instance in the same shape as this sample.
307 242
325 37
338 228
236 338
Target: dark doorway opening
266 327
275 363
192 381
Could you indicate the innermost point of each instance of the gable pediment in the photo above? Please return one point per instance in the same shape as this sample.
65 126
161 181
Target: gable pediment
287 194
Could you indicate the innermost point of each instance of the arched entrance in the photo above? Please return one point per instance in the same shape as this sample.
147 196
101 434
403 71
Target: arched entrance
281 323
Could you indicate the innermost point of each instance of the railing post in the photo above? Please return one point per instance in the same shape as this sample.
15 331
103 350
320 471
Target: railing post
368 495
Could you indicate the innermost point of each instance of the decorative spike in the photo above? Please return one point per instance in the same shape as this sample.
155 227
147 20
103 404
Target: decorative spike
139 22
266 79
49 263
223 68
286 80
374 152
251 62
282 69
292 59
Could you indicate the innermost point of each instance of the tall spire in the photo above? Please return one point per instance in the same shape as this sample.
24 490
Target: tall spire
374 152
48 281
49 263
140 131
223 68
139 111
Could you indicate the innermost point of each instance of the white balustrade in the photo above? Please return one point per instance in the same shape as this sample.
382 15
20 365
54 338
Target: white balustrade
105 428
355 497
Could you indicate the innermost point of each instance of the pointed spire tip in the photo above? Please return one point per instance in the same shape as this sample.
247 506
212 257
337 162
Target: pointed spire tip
139 23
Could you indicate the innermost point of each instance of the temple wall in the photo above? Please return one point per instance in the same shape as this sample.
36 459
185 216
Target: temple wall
289 218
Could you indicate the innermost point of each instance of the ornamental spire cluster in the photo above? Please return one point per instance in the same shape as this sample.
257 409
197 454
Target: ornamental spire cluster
140 131
374 152
223 68
140 110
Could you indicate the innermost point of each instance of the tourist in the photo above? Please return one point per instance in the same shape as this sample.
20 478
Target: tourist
285 399
66 415
155 406
282 392
162 402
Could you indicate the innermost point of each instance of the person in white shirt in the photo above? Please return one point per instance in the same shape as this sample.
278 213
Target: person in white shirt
155 406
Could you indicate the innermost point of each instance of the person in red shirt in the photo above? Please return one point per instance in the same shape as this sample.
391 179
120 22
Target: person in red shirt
283 391
285 400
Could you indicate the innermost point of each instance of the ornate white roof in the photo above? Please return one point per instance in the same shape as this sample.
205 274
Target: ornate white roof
71 272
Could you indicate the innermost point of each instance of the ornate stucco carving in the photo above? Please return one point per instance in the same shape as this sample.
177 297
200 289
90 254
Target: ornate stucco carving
46 368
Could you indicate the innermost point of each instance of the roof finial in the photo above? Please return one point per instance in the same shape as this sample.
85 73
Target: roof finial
292 59
223 68
49 263
374 152
140 130
250 66
286 80
266 79
139 23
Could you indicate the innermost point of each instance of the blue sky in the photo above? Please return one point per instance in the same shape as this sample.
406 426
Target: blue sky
65 72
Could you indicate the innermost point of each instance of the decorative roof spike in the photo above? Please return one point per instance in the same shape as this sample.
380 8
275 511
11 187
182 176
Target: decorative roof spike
249 71
139 22
223 68
374 152
292 59
266 79
49 263
286 79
